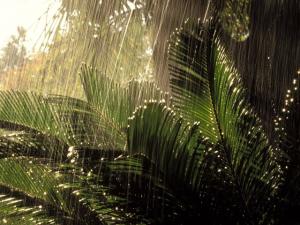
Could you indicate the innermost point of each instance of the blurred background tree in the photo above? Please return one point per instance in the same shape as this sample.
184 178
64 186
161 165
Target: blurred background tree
14 53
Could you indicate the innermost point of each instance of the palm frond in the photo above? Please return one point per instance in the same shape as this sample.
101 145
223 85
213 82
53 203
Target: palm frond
63 190
24 175
207 88
179 158
112 103
113 99
96 192
15 142
14 211
31 112
86 124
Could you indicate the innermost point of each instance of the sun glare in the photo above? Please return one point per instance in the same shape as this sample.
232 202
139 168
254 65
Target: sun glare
30 14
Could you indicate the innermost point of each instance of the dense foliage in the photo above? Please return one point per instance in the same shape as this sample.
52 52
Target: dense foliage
130 153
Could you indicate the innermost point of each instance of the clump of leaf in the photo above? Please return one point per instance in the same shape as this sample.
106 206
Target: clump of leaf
224 159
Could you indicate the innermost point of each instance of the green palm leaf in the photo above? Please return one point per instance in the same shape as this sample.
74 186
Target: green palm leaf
36 181
177 157
13 211
208 89
87 124
112 103
31 112
63 190
98 121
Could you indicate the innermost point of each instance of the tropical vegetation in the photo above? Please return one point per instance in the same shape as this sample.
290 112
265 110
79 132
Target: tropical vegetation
128 152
